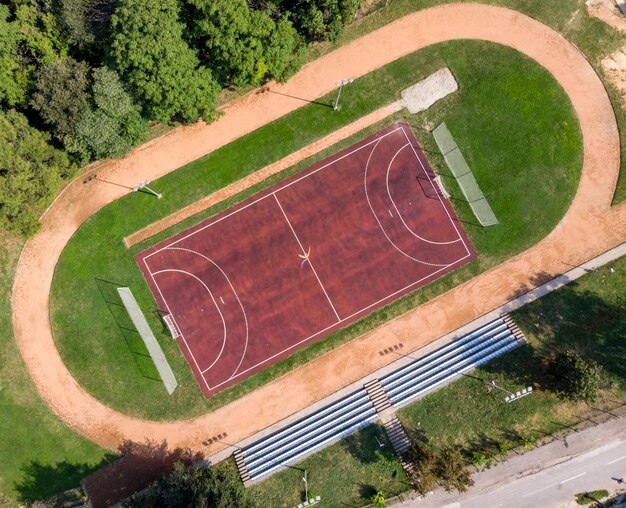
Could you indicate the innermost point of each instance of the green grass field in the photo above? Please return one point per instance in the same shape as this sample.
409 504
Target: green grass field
587 315
506 116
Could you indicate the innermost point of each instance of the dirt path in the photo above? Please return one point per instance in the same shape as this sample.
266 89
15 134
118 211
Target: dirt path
589 228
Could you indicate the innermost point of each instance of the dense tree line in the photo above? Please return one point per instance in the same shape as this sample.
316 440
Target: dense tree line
80 80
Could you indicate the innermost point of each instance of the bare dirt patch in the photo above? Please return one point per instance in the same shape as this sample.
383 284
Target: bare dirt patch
614 67
607 11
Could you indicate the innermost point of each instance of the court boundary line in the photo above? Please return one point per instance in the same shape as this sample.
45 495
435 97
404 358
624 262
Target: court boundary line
308 259
182 335
369 203
189 349
341 320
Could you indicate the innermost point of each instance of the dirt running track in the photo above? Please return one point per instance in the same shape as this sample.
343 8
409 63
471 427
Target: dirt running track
589 228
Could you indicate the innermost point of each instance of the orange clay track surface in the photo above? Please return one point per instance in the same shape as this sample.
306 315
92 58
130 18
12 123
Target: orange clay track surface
589 228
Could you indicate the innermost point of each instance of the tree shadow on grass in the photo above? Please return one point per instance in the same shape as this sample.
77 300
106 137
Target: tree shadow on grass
369 445
112 479
42 481
570 318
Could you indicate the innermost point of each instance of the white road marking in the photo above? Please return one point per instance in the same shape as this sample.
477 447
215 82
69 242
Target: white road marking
573 477
553 484
616 460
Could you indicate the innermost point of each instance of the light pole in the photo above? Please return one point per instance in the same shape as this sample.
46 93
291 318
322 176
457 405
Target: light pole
341 84
509 398
144 185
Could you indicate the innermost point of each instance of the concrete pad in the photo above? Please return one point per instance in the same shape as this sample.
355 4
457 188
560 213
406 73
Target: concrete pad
424 94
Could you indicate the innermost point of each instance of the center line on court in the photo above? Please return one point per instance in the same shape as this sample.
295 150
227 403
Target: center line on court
310 264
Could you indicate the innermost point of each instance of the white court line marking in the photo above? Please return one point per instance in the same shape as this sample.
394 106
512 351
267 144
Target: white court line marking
616 460
243 311
390 212
309 259
182 335
222 300
225 338
435 190
398 211
374 304
553 484
367 197
274 192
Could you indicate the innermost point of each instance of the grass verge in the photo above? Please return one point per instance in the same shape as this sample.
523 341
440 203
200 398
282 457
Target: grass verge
506 117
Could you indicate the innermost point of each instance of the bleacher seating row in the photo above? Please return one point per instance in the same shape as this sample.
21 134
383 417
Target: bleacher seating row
289 444
342 417
450 361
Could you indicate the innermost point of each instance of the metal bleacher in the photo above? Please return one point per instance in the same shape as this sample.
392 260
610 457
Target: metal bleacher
344 416
450 361
289 444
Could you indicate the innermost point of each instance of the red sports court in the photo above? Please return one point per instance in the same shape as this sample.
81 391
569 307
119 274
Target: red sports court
305 257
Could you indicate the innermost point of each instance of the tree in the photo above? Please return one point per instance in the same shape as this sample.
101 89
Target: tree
378 499
151 56
114 125
41 41
87 23
423 476
30 173
322 18
451 470
573 376
30 40
243 45
13 80
90 112
61 95
195 487
285 52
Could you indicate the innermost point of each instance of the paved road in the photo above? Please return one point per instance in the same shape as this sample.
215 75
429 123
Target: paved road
559 484
549 476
